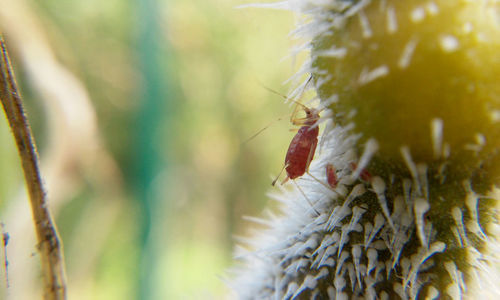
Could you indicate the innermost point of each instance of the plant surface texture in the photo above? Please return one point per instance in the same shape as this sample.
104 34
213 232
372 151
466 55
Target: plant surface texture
403 201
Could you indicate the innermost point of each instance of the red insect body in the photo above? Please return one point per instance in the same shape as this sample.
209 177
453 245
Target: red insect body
303 145
301 151
331 177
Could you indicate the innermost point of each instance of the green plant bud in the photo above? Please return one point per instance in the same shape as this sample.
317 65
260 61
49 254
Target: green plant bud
402 198
417 74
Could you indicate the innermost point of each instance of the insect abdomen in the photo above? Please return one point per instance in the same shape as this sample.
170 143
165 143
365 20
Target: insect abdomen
301 151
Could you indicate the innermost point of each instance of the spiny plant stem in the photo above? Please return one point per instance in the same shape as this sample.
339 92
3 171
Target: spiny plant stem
49 244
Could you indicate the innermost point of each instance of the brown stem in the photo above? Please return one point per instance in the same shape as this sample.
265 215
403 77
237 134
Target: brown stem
49 244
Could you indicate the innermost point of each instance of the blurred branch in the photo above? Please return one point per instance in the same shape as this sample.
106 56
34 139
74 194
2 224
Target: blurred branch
50 246
74 157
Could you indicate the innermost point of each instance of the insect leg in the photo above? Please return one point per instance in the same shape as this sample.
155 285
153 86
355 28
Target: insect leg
293 120
285 180
310 155
299 121
303 194
276 179
322 183
309 158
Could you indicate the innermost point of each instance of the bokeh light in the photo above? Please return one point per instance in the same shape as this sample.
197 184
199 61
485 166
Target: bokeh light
141 111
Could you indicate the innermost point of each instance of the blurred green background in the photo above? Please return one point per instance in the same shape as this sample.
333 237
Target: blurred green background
140 110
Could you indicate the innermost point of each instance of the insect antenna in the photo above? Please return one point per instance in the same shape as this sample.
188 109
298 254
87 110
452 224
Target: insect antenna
285 97
259 132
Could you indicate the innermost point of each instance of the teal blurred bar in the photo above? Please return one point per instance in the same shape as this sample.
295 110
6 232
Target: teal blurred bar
149 162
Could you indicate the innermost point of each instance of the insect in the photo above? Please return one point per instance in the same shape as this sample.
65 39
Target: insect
364 175
303 145
331 177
